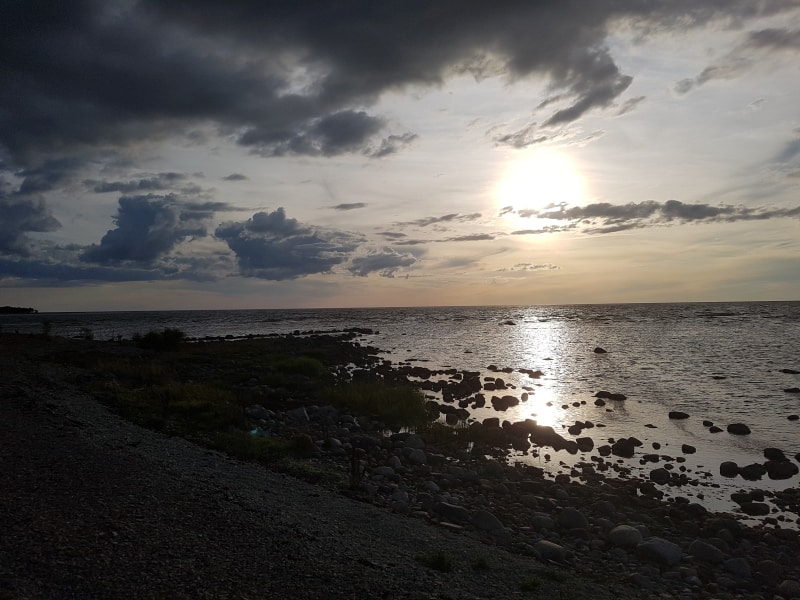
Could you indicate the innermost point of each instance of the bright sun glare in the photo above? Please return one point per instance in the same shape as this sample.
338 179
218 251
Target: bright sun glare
540 178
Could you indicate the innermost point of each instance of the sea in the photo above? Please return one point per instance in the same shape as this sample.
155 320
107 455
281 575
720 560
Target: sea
720 363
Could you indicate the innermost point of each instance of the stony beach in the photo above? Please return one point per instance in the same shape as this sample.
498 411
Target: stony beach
94 506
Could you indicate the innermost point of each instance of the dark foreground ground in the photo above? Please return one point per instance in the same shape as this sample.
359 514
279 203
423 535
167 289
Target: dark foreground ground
92 506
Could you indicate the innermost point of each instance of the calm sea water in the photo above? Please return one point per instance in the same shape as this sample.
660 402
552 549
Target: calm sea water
720 362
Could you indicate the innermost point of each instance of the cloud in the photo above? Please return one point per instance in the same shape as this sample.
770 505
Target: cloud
147 228
20 215
608 218
474 237
289 78
529 267
349 206
630 105
449 218
386 262
272 246
752 50
235 177
160 181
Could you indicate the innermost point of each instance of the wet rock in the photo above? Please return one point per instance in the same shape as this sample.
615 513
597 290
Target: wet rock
625 536
504 403
678 415
753 472
738 429
599 402
660 550
611 395
790 371
794 390
781 469
729 469
714 429
755 509
687 449
599 350
793 417
660 476
624 447
585 444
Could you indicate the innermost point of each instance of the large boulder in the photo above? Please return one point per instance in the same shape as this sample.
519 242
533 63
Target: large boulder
625 536
661 551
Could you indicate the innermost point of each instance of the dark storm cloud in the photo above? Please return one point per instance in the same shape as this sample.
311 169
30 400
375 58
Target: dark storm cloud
147 228
607 218
47 175
296 77
386 262
157 182
19 215
271 246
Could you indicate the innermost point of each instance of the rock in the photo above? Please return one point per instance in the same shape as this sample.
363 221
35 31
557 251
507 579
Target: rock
789 588
452 512
738 567
714 429
790 371
572 518
705 552
550 551
755 509
623 447
417 457
585 444
625 536
661 551
483 520
660 476
770 570
383 471
793 417
257 412
781 469
753 472
687 449
542 521
678 415
794 390
738 429
414 441
600 350
729 469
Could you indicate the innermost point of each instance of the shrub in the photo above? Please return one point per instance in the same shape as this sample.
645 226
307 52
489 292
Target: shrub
164 341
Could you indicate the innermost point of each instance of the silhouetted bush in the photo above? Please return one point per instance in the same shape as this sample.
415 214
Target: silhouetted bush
169 339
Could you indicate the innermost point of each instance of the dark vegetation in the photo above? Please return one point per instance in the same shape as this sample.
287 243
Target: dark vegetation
199 390
17 310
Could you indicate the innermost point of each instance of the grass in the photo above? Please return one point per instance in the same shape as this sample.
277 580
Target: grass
397 406
438 561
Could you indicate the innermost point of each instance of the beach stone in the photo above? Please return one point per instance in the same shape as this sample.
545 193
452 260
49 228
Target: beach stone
793 417
625 536
755 509
739 567
415 442
687 449
782 469
452 512
714 429
585 444
753 472
542 521
483 520
705 552
660 475
774 454
661 551
623 447
384 471
599 350
417 456
678 415
548 550
789 588
738 429
729 469
770 570
572 518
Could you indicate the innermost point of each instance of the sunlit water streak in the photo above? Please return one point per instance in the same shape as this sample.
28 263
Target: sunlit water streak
718 362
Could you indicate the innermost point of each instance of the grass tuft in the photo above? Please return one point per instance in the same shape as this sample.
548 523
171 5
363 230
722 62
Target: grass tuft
438 561
397 406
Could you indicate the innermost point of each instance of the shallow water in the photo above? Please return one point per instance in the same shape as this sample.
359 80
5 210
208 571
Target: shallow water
720 362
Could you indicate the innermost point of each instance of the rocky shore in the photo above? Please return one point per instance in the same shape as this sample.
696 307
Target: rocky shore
95 507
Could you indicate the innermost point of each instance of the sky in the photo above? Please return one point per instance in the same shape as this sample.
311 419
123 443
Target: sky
206 154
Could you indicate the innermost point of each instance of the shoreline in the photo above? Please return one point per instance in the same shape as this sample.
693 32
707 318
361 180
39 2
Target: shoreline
589 528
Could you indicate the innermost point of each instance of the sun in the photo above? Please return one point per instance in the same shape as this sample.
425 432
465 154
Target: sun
535 181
